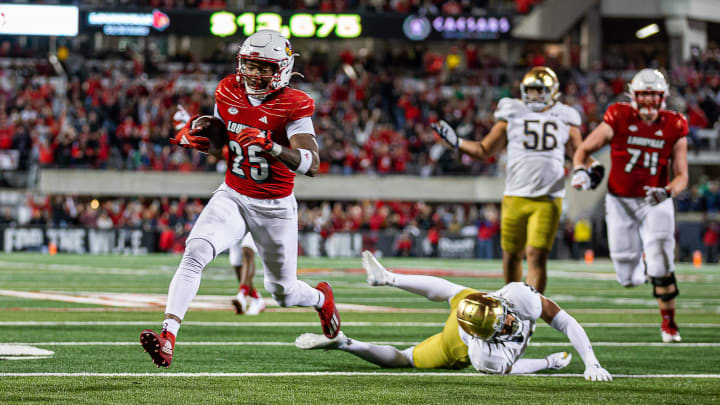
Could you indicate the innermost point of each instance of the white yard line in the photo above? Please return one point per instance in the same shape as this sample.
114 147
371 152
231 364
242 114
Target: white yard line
273 324
353 304
339 373
24 357
533 343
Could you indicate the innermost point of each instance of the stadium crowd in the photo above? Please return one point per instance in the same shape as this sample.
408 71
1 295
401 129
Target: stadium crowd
373 111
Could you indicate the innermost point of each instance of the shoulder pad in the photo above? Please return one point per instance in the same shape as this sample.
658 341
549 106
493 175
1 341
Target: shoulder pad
303 103
570 115
507 108
617 112
678 122
524 299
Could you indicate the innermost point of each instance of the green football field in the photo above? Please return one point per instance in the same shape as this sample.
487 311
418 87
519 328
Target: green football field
70 325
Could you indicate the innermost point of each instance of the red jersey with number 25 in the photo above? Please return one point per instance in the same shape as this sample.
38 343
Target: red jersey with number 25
251 171
639 152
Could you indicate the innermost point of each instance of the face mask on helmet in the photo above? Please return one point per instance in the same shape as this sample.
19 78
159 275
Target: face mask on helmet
648 90
257 75
265 63
649 103
539 88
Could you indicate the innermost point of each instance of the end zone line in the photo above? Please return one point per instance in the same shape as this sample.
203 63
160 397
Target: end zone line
394 343
340 373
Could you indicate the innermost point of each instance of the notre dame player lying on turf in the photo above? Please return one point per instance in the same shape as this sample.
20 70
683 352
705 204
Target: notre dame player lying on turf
488 330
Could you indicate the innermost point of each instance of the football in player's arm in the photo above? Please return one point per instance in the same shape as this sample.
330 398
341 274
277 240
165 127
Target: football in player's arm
538 132
646 141
489 331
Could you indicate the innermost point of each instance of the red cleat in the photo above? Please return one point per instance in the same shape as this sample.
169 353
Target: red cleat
159 346
329 316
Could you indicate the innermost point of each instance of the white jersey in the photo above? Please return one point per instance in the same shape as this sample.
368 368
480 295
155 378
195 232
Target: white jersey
498 358
536 147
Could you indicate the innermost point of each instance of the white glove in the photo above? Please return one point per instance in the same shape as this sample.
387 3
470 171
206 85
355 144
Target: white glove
597 373
180 118
447 133
655 195
580 179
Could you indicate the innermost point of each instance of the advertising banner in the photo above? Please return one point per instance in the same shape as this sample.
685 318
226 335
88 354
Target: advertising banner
78 240
312 244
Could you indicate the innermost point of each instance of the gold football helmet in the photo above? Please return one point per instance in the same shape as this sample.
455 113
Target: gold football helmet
546 81
482 315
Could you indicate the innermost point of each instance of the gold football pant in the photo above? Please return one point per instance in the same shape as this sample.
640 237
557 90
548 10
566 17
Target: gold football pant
529 221
445 349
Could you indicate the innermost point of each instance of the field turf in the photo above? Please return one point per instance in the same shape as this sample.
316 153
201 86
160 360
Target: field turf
80 318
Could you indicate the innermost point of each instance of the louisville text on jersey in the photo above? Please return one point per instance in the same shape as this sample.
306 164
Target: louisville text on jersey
237 127
649 142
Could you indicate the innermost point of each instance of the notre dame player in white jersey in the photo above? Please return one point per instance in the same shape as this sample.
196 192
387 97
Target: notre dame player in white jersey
489 331
538 132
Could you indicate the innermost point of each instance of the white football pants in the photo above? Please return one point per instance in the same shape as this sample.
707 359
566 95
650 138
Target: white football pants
225 220
634 227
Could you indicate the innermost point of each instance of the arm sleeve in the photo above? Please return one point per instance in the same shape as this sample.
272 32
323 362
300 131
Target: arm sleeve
566 324
301 126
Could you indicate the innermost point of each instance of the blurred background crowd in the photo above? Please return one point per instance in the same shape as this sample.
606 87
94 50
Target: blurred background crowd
373 111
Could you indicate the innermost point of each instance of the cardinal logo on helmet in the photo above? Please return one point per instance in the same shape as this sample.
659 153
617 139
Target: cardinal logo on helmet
288 48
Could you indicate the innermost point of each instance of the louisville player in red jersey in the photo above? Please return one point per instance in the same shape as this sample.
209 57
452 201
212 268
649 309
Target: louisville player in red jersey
271 138
647 143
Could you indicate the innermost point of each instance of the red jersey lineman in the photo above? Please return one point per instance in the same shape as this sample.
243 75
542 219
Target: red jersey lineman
271 138
647 144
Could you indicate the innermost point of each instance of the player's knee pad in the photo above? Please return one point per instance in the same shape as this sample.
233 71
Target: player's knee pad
198 253
629 268
280 292
665 282
659 254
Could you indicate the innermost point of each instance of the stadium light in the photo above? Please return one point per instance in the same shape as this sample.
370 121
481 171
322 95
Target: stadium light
647 31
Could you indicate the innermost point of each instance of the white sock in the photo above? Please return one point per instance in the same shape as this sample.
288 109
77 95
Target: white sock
171 326
529 366
432 288
382 355
184 285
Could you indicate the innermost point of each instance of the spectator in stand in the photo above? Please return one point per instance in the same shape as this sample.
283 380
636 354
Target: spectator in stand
711 195
710 241
568 237
696 121
6 216
582 235
488 229
403 245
